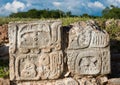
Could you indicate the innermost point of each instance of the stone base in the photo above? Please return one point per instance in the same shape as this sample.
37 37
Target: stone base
114 81
67 81
4 81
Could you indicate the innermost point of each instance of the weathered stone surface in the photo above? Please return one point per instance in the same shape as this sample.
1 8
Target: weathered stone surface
40 55
35 50
4 34
88 50
65 81
88 81
102 80
114 81
4 81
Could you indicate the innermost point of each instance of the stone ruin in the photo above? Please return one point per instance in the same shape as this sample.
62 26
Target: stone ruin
46 53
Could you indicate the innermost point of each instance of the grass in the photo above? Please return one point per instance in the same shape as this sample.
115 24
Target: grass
66 21
4 68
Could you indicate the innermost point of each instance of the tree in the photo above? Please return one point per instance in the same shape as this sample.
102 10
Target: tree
68 14
111 12
45 13
85 15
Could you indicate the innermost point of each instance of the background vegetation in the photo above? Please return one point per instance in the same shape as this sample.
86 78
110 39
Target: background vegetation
108 12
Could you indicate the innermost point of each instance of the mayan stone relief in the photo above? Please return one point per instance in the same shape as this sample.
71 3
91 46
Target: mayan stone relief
35 50
42 50
88 49
67 81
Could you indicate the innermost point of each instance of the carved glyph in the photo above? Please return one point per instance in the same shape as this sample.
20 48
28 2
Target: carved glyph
35 50
88 49
40 55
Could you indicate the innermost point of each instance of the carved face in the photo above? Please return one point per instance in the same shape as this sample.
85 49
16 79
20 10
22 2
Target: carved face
35 40
29 70
79 38
88 63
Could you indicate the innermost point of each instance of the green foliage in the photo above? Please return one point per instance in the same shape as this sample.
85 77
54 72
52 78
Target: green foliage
46 13
69 20
111 12
4 71
114 31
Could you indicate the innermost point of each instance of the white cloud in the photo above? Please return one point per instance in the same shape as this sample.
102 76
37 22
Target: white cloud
14 6
96 4
28 4
57 4
113 2
75 6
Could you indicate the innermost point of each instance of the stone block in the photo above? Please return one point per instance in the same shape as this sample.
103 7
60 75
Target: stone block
4 34
35 50
65 81
88 49
114 81
41 55
4 81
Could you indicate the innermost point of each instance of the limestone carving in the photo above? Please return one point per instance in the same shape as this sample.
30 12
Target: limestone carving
88 49
35 50
65 81
40 55
88 81
29 70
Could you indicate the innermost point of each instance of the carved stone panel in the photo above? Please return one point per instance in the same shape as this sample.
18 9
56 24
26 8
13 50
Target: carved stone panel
79 37
26 67
87 62
35 50
40 55
88 49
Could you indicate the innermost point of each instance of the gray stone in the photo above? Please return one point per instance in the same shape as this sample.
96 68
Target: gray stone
4 81
114 81
102 80
35 50
40 55
88 81
65 81
88 50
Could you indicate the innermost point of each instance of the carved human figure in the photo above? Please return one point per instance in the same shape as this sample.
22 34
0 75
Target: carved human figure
89 64
79 37
44 68
29 70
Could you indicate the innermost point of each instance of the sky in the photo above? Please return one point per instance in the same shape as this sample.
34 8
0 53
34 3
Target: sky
77 7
